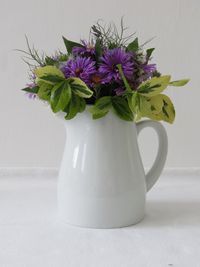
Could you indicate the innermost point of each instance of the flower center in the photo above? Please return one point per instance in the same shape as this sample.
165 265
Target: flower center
78 71
96 78
114 67
90 46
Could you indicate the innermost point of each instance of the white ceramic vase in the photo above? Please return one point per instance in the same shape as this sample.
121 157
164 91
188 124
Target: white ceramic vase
102 183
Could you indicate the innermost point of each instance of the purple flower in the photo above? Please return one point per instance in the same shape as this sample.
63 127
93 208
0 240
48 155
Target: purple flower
31 85
87 49
31 96
83 68
149 68
145 72
108 68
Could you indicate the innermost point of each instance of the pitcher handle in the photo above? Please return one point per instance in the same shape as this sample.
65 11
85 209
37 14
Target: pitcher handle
158 165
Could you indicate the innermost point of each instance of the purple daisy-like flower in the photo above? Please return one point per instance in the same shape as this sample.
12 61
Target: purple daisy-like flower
83 68
111 58
87 49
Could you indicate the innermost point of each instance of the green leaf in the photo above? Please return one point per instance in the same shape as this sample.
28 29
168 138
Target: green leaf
134 104
132 100
149 52
168 110
49 61
33 90
98 48
179 82
101 107
102 104
165 109
70 44
121 108
154 86
133 46
82 104
80 88
144 105
156 103
49 71
63 57
126 84
52 78
60 96
73 107
99 115
44 91
152 105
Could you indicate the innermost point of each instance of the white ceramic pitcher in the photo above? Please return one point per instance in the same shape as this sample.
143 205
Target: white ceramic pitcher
102 183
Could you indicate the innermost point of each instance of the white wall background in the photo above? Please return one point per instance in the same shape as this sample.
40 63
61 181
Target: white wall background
30 136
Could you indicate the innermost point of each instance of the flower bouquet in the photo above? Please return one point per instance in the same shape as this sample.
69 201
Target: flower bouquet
110 71
102 183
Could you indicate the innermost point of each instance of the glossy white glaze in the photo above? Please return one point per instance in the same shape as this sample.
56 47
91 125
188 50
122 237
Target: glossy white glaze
102 182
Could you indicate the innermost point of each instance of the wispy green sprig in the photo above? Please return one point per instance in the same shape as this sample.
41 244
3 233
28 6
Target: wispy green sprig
32 57
109 34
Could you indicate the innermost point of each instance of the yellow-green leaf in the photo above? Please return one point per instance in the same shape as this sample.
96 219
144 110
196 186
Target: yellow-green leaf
163 103
168 111
179 82
137 114
48 70
154 86
132 100
144 105
156 103
44 91
80 88
155 117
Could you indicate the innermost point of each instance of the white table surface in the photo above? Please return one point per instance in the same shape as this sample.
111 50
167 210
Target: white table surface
31 235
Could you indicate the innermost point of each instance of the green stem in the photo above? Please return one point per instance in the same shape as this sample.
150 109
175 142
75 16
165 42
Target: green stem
128 88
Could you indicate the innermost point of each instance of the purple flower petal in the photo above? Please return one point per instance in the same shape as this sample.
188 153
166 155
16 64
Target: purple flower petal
149 68
31 96
109 61
88 49
82 68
